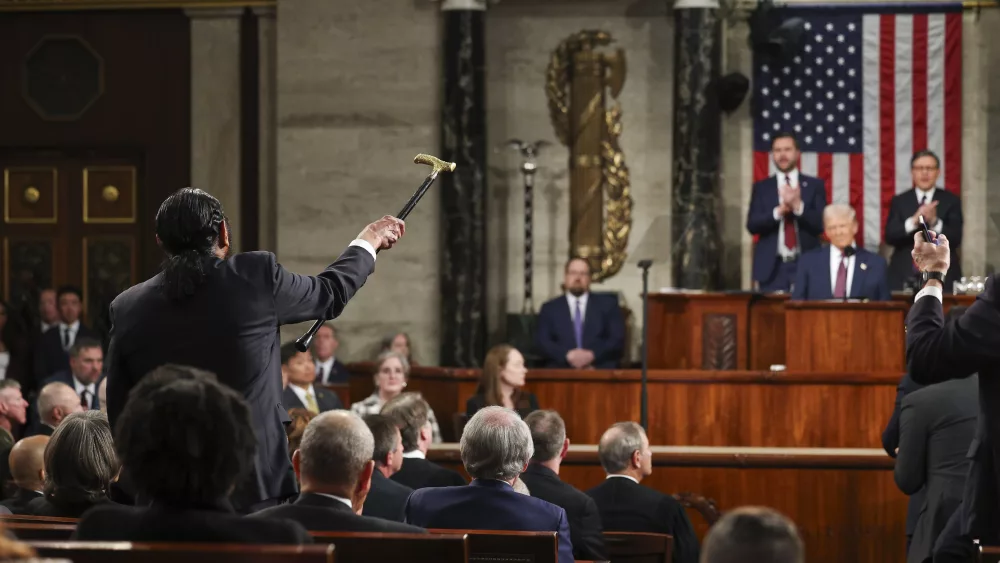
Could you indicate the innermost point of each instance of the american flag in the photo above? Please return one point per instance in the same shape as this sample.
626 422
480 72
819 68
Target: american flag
866 92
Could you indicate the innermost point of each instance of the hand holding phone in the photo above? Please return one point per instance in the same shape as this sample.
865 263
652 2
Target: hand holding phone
927 234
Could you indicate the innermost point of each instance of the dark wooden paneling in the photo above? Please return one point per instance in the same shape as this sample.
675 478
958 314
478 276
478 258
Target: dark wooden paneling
831 336
767 331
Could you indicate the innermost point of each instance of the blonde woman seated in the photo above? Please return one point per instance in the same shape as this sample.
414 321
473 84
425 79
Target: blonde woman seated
390 379
501 382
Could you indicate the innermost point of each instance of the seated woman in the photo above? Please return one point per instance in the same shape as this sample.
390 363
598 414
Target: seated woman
391 374
297 427
80 466
500 383
398 342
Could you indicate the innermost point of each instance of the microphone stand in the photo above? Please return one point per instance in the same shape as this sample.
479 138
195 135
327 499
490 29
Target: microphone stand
644 385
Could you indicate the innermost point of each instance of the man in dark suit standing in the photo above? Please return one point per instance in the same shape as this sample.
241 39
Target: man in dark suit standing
937 351
387 498
942 210
548 435
324 349
841 270
496 447
410 413
52 350
580 329
297 368
786 213
222 314
334 464
627 506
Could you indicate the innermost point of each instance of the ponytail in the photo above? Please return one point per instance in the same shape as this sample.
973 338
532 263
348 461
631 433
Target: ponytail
188 226
182 274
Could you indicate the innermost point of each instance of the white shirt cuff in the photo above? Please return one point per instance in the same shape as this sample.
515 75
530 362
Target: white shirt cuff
938 226
798 211
366 245
930 290
776 215
910 225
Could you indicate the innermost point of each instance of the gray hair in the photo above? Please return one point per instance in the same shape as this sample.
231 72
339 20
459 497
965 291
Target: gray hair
55 394
520 487
411 413
839 210
618 444
335 448
80 459
753 533
548 434
496 444
392 354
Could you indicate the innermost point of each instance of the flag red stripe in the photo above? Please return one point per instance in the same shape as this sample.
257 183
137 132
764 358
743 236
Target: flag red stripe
824 171
953 102
857 194
919 82
760 164
887 111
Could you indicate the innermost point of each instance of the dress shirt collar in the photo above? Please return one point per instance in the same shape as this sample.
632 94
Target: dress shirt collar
325 367
572 299
72 328
791 177
301 393
837 254
629 477
336 498
415 454
921 194
81 387
491 484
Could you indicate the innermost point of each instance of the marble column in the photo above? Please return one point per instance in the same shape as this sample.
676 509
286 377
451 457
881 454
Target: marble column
215 107
463 193
697 146
267 191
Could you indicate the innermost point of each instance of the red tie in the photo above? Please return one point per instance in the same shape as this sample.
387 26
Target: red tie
790 239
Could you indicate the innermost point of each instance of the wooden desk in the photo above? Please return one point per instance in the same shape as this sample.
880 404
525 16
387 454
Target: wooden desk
844 501
689 408
837 336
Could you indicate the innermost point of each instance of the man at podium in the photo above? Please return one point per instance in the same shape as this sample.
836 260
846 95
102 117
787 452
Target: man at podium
841 270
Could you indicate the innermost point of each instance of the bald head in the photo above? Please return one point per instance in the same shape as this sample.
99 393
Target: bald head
56 401
335 449
27 462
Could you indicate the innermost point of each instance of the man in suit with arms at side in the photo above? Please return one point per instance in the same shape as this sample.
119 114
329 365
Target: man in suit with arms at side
223 314
580 329
387 498
937 351
410 413
324 349
942 210
298 369
334 465
841 270
548 435
496 447
786 212
52 350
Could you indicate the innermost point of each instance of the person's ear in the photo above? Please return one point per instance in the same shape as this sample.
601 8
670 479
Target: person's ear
363 487
565 449
637 459
297 465
426 433
224 235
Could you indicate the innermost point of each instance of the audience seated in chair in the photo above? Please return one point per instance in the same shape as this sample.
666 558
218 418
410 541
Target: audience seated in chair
51 350
85 372
501 382
55 402
387 497
329 370
753 534
496 448
27 468
627 506
391 374
548 435
298 368
80 466
13 412
334 467
185 440
410 412
400 343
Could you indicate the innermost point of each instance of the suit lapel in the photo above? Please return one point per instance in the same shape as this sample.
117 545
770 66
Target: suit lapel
290 400
827 288
567 320
860 268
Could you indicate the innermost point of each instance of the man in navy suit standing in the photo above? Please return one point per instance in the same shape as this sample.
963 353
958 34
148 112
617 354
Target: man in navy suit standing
786 212
841 270
580 329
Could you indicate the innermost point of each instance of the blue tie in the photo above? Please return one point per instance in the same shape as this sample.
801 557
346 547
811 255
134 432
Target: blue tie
578 325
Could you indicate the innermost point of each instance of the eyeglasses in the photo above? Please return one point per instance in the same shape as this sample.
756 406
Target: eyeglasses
924 168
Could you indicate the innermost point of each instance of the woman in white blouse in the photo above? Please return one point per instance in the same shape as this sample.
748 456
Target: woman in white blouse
391 374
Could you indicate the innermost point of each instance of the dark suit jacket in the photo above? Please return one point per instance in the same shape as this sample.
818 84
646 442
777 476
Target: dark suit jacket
603 331
760 221
339 375
626 506
812 278
317 513
937 424
230 327
157 523
489 505
937 352
386 498
418 473
42 506
903 207
326 400
66 377
527 403
890 441
50 357
584 521
18 503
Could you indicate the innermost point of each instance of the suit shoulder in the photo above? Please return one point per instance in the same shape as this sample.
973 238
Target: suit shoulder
765 183
550 304
136 291
872 257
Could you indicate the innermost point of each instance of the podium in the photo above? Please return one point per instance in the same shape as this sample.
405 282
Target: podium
690 330
834 336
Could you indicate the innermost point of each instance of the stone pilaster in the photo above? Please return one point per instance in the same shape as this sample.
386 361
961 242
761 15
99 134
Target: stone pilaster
267 191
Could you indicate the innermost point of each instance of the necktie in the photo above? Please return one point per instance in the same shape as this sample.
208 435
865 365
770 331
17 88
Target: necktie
66 338
84 401
791 240
840 288
322 374
578 325
311 402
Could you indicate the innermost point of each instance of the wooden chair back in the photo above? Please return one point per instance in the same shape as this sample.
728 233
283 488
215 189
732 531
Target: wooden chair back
989 554
128 552
40 531
5 518
365 547
635 547
494 546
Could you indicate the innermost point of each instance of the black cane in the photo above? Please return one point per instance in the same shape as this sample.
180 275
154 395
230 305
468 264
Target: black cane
437 165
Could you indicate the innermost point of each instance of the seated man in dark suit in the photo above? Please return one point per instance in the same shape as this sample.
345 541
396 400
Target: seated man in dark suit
841 270
55 402
548 435
580 329
334 467
185 440
627 506
496 447
753 534
297 367
86 370
324 348
27 467
51 352
387 497
410 412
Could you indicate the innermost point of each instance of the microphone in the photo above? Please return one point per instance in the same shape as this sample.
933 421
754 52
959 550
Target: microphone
848 251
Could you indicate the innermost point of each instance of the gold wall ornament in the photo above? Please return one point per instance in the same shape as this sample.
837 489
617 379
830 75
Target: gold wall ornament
578 81
110 193
31 194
